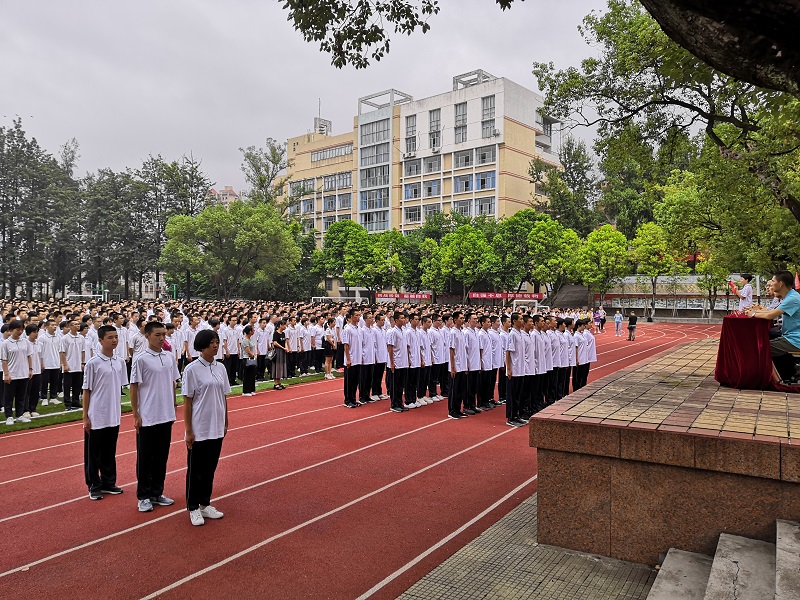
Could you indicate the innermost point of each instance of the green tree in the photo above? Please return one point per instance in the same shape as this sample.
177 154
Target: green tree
653 257
553 250
231 245
712 278
333 246
373 261
430 268
264 170
571 190
466 256
603 260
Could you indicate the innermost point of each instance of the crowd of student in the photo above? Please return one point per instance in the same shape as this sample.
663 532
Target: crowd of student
88 353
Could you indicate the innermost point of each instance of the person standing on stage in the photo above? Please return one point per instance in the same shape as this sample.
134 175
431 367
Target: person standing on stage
205 385
103 379
745 293
153 376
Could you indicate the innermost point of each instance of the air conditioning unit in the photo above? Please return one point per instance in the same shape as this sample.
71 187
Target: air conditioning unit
436 149
409 155
496 132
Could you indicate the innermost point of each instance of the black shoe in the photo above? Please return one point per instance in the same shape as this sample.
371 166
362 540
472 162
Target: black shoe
513 423
470 412
360 403
113 490
456 416
95 495
520 421
463 414
351 405
397 409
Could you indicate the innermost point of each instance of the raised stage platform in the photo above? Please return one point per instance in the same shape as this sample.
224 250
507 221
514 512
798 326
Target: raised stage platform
658 456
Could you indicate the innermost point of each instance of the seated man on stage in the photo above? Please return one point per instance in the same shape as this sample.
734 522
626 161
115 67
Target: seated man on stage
783 347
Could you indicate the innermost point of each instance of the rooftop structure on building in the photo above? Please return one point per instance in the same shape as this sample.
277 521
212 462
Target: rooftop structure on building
223 197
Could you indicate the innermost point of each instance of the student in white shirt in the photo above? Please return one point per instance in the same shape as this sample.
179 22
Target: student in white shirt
381 358
368 353
458 369
51 374
351 338
515 371
498 359
292 347
153 378
317 332
485 380
581 362
72 349
205 385
329 347
426 375
35 383
15 353
397 351
102 388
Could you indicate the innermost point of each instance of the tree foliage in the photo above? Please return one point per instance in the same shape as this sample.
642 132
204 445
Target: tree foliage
603 260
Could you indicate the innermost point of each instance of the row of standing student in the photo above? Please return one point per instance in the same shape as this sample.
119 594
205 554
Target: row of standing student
464 357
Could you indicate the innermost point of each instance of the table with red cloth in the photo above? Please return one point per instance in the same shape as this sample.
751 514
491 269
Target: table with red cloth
743 359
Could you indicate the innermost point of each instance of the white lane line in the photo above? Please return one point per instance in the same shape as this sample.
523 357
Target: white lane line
227 456
384 582
325 515
178 441
228 495
233 410
50 428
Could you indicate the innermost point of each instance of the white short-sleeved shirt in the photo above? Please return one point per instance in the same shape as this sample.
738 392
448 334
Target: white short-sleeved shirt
747 297
156 373
50 345
104 378
425 345
548 350
190 335
368 349
542 351
36 356
516 346
121 351
73 347
529 345
395 338
414 347
206 384
16 352
381 349
352 337
498 355
458 344
435 337
591 346
566 346
583 355
473 349
485 348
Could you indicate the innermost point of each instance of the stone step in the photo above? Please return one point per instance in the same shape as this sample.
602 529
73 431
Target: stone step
743 569
683 576
787 561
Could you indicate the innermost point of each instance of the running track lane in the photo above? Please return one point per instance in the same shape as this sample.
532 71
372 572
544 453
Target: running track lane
613 352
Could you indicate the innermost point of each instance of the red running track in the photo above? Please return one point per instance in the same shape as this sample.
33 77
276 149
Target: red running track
320 501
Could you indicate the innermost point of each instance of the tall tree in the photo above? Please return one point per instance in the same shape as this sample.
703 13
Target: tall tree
264 170
653 257
603 260
467 257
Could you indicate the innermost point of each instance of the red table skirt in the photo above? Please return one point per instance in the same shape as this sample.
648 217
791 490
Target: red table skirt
743 359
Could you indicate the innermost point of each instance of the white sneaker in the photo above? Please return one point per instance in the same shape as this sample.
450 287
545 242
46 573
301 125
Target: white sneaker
429 400
44 402
209 512
55 401
383 397
35 414
10 421
420 404
26 415
437 398
196 517
22 419
374 397
61 394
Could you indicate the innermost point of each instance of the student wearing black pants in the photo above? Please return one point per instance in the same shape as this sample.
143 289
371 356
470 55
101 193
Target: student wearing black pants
153 402
458 392
352 341
206 424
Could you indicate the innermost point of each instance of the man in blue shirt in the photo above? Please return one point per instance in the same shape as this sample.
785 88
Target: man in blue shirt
789 308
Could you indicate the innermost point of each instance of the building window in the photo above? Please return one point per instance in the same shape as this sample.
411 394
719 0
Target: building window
435 119
547 126
433 164
373 199
462 207
461 114
294 208
344 179
413 214
328 284
411 125
329 203
432 187
411 144
309 186
327 153
373 133
485 155
412 191
432 209
484 181
327 222
462 159
344 217
435 139
412 167
487 128
329 183
538 189
296 188
308 225
308 206
345 201
373 155
461 134
484 206
375 221
462 183
488 107
375 176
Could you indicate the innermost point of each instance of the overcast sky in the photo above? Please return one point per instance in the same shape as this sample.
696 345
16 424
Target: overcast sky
208 77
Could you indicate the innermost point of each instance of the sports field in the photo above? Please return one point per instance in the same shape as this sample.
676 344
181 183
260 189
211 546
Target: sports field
319 501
